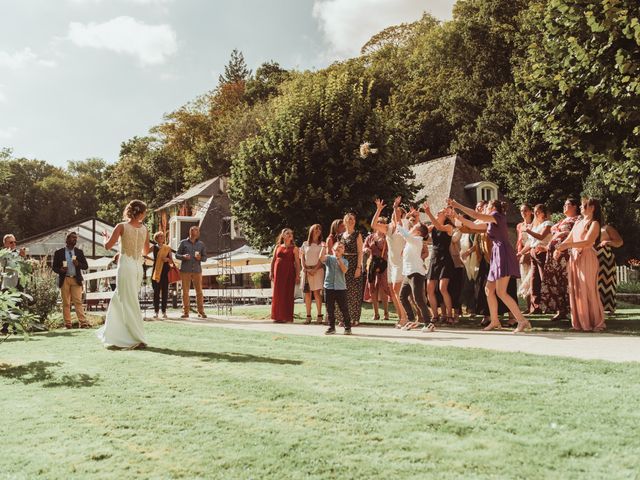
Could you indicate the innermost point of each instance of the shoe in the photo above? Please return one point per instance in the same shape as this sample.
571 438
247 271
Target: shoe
319 319
85 325
164 316
347 331
330 331
156 316
184 315
68 327
428 328
202 315
308 320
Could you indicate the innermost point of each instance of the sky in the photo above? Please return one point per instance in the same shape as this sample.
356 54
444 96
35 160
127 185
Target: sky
79 77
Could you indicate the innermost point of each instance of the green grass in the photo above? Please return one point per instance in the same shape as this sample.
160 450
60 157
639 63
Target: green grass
207 402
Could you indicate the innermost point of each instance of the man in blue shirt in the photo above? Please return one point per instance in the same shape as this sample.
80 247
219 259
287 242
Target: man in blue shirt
192 252
335 286
68 263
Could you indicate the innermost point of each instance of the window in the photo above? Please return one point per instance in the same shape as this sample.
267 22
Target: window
488 193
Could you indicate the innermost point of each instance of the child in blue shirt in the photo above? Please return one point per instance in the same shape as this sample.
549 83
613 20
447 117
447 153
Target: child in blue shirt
335 286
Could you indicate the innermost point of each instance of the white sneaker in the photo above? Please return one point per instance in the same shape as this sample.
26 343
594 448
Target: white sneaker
428 328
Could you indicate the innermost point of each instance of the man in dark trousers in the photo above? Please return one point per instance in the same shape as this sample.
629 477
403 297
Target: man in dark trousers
68 263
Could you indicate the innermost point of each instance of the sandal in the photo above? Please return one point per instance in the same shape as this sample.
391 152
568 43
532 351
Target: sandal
320 319
308 320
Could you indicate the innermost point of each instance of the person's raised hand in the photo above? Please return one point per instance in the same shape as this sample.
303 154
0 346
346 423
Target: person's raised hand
379 204
396 202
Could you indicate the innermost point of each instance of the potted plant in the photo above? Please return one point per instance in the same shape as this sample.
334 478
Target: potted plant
223 280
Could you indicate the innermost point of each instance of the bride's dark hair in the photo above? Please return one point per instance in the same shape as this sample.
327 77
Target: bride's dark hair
135 208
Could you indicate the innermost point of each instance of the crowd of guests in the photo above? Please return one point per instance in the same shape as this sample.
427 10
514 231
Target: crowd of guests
430 265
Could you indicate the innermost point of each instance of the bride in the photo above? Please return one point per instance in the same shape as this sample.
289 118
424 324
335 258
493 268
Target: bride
123 327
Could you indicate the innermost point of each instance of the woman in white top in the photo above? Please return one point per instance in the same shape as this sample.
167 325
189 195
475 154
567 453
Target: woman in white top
123 327
414 273
312 271
539 237
395 246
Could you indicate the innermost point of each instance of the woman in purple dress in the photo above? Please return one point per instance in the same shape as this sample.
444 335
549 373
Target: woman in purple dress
503 264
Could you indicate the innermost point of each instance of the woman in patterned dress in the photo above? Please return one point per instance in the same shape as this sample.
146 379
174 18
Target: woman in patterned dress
607 276
353 252
555 286
376 287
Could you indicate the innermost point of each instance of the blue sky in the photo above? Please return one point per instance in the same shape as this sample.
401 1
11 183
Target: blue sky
78 77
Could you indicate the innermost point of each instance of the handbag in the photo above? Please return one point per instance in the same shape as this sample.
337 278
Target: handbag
174 274
376 265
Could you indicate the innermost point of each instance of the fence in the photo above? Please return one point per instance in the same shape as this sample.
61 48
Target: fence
97 299
626 274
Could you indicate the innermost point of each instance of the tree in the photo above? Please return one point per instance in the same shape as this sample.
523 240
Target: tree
236 70
455 96
304 166
265 83
581 87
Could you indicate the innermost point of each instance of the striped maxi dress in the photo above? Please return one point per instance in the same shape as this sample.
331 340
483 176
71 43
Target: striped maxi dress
607 280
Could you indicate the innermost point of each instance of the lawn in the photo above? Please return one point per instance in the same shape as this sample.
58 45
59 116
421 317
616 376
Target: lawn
206 402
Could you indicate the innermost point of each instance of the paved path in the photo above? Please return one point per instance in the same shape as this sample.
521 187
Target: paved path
588 346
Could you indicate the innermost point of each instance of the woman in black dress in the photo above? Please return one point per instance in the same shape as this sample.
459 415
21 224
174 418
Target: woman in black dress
441 268
353 252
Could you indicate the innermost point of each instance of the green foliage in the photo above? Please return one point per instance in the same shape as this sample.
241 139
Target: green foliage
629 287
304 165
258 278
581 89
41 286
14 314
236 70
266 82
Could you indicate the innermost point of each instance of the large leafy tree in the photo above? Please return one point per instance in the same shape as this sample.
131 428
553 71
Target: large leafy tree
456 94
581 86
304 166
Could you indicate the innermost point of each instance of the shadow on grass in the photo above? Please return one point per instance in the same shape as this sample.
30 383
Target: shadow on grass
41 372
222 357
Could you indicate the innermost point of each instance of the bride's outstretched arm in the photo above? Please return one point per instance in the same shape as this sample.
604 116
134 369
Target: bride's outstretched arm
115 235
147 246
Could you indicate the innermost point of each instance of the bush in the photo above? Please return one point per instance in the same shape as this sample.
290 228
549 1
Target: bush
629 287
42 288
13 315
258 278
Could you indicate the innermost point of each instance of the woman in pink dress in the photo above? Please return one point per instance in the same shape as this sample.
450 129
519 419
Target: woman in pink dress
587 313
285 270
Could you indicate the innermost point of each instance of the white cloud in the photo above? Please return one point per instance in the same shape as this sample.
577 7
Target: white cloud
3 96
22 59
349 24
151 44
7 133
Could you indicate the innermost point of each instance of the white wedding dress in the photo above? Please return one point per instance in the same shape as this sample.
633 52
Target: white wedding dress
124 326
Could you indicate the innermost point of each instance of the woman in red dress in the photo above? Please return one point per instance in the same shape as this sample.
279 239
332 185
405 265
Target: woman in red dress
285 270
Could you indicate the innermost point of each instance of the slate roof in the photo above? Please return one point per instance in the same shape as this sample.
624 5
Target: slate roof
208 188
447 177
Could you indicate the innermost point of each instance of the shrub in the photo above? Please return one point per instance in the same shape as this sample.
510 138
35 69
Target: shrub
258 279
42 288
13 314
629 287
